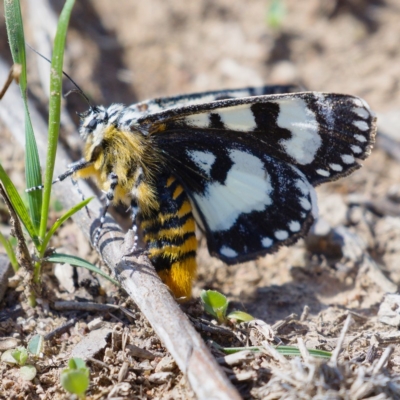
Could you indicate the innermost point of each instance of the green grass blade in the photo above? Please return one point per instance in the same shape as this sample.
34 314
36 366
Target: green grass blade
15 32
54 108
284 350
294 351
19 206
79 262
61 220
10 252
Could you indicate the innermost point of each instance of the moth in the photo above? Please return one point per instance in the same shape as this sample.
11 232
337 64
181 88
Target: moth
241 164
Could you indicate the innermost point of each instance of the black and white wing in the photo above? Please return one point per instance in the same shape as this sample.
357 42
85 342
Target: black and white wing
249 165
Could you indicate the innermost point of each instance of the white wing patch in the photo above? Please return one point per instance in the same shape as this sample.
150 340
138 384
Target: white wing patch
297 117
203 159
361 112
228 252
281 235
247 188
201 120
235 118
267 242
238 118
294 226
361 125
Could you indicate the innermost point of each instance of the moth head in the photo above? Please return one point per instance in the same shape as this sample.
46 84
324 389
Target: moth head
96 120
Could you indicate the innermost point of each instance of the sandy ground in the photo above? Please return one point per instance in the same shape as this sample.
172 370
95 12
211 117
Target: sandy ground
128 51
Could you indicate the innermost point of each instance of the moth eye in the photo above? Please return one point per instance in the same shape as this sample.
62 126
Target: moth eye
91 125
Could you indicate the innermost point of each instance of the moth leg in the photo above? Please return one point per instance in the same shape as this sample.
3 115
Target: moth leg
72 168
135 250
135 211
78 189
113 179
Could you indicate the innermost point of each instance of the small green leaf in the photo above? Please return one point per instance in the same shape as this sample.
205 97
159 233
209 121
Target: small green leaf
240 316
74 381
79 262
61 220
8 357
28 372
36 345
20 354
215 303
77 363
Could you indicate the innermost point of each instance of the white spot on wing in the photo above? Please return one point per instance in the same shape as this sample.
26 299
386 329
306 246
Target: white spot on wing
305 203
302 187
336 167
228 252
361 112
294 226
203 159
361 125
323 172
360 138
247 188
295 115
267 242
201 120
356 149
306 188
357 102
347 158
237 118
365 104
281 235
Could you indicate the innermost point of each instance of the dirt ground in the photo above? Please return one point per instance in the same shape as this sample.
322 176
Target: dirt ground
127 51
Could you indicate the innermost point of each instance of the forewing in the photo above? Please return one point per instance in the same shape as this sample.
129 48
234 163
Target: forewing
174 102
323 135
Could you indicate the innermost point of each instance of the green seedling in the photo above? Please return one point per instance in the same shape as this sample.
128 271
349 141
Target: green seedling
20 355
216 304
75 378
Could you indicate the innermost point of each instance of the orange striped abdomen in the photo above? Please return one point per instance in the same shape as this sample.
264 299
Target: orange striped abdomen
170 237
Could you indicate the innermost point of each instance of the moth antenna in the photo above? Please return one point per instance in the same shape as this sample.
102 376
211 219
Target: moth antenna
77 90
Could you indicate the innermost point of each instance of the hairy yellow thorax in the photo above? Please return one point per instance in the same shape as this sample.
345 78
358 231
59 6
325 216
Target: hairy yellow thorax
127 154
